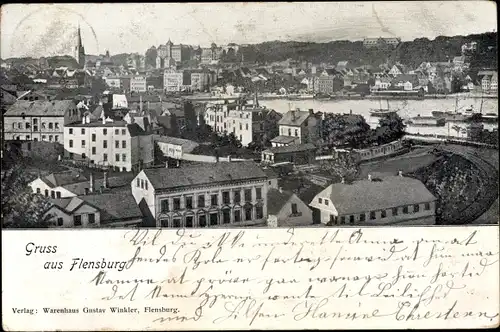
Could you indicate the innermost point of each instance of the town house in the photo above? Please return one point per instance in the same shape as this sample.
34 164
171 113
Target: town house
39 120
302 126
209 195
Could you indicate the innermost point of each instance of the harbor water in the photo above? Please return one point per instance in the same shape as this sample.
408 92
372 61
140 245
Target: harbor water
406 109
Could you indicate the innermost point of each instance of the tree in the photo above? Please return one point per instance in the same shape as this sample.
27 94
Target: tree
159 156
390 127
344 129
21 208
341 168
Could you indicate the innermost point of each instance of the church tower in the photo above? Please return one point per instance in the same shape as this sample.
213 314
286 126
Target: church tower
80 50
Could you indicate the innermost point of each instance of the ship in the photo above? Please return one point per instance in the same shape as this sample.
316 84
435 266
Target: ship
380 112
450 116
426 121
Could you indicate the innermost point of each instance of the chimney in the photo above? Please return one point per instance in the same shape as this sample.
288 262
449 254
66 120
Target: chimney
400 173
281 189
105 181
293 115
91 182
103 119
369 177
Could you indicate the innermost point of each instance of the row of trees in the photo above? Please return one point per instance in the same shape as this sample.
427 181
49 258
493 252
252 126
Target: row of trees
352 131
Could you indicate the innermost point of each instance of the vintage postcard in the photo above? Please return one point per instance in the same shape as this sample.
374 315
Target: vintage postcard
215 166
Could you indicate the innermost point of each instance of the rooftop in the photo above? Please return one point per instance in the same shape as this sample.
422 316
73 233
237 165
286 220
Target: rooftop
291 148
114 206
294 118
63 178
170 178
40 108
365 195
276 200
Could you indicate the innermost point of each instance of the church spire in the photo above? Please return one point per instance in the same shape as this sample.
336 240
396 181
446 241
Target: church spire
79 36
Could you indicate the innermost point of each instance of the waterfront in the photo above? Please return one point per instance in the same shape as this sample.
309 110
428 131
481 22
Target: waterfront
407 109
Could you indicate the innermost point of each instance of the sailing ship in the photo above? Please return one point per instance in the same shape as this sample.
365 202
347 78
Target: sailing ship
426 121
452 116
380 112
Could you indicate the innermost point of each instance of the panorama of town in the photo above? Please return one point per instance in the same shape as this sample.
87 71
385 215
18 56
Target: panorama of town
379 132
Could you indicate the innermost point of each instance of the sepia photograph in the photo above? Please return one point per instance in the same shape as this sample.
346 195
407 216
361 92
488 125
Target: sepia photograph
250 165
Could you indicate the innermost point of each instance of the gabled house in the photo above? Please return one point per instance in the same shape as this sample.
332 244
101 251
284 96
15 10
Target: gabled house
396 70
286 209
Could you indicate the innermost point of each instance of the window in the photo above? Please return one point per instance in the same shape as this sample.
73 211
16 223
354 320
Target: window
117 131
326 202
289 132
226 216
416 208
93 137
38 190
177 204
177 222
138 182
246 126
201 201
405 209
70 143
248 195
372 215
237 196
427 206
77 220
146 184
93 150
51 125
46 193
83 143
214 219
28 125
294 209
383 214
248 213
105 144
362 217
117 144
19 125
351 219
123 131
83 131
105 157
56 138
202 220
258 193
60 221
104 131
214 200
237 215
91 218
189 221
225 197
50 138
124 144
296 132
189 202
342 220
58 194
124 157
117 157
320 200
394 211
259 212
241 126
35 121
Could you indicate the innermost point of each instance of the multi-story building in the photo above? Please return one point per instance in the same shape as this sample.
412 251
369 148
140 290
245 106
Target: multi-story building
489 81
113 82
249 123
381 42
39 120
200 80
227 194
173 80
328 82
406 201
106 143
303 126
138 84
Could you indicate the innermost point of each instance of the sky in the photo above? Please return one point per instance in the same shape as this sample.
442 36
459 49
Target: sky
50 29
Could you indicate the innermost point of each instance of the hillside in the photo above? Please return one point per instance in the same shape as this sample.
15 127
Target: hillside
410 53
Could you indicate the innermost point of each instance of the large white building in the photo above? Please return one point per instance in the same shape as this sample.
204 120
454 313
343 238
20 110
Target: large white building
173 80
405 201
249 123
138 84
39 120
106 143
210 195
